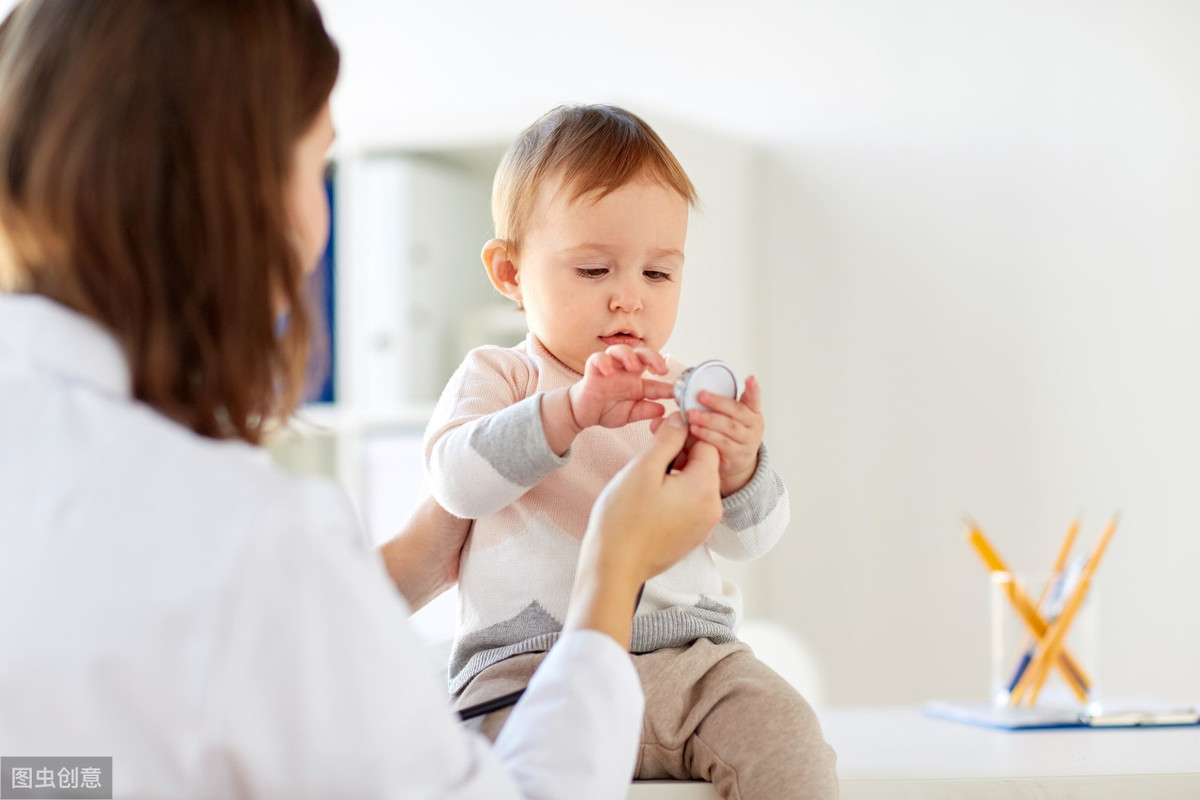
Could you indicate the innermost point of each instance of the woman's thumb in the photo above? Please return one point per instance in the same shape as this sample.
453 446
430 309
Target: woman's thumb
668 441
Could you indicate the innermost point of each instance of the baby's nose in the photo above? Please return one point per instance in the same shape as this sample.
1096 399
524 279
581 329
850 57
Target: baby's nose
626 298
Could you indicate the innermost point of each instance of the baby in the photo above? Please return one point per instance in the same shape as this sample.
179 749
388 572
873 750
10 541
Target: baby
591 213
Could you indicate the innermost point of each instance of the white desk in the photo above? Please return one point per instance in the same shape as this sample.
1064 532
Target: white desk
900 754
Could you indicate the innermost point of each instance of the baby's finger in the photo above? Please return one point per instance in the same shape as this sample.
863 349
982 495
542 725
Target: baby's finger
652 359
646 409
726 406
752 395
733 429
601 363
716 438
623 354
657 390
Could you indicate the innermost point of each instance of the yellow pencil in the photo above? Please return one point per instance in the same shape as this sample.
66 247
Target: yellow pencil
1057 632
1035 675
1076 678
1060 562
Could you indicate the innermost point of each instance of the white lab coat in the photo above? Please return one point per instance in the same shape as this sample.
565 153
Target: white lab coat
221 629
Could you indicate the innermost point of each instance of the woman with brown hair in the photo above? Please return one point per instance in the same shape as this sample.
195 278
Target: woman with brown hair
167 598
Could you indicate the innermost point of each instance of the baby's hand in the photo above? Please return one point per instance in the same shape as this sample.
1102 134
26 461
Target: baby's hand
735 428
613 392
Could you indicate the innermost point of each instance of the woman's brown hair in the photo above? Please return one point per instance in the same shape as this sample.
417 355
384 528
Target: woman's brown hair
145 146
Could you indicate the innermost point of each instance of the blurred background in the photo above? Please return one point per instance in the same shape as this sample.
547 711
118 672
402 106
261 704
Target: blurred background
957 241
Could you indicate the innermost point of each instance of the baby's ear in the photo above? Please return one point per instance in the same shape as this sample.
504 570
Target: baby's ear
501 269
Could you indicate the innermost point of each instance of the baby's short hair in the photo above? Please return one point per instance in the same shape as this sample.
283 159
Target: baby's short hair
592 148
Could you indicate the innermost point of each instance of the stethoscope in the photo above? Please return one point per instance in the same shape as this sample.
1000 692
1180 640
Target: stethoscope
713 376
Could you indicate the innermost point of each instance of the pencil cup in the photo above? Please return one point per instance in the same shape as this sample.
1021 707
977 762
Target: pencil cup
1044 652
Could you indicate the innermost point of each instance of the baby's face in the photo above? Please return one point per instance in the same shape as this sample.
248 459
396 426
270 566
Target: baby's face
593 273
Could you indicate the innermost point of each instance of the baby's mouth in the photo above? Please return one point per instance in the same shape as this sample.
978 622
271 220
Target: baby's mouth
621 337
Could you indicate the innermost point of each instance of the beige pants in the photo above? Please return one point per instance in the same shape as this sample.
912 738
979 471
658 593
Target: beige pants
714 712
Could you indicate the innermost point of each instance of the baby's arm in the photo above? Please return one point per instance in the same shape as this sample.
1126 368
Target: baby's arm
755 516
485 446
611 393
754 497
488 442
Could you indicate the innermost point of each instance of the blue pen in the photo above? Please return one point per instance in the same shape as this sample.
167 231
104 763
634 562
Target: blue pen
1064 585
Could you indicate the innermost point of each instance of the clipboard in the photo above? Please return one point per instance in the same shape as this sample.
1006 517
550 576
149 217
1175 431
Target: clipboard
1140 715
1126 714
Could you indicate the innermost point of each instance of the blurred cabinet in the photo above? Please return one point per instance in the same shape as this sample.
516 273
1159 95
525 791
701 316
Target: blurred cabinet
411 298
412 287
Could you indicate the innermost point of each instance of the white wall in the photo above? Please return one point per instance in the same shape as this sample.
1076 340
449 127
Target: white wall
976 294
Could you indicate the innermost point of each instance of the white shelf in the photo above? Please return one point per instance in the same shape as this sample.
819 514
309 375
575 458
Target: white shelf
337 419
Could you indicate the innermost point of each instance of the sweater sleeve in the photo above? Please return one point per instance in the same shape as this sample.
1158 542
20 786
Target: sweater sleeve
754 517
485 445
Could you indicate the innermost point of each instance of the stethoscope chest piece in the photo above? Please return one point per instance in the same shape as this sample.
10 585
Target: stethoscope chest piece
714 376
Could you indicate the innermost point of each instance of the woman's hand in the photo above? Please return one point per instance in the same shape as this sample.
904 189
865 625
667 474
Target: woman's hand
643 522
423 557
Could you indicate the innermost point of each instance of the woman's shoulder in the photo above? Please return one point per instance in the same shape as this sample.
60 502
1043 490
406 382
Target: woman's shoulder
178 486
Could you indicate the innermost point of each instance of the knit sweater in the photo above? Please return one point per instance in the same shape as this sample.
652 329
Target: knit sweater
487 459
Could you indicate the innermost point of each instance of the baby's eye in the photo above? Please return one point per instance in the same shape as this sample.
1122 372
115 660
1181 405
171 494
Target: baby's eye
592 272
657 275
